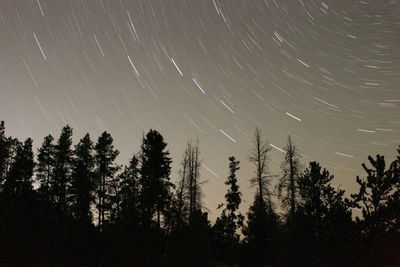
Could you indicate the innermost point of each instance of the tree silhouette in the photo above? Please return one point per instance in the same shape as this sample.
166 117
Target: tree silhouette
393 205
288 184
82 184
155 180
179 208
8 151
45 168
189 190
323 218
19 178
4 152
105 170
229 222
141 220
259 158
320 203
225 229
262 220
129 193
378 191
62 168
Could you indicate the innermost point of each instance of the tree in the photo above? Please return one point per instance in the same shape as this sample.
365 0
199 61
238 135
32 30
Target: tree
259 157
226 227
8 151
19 179
288 184
155 180
62 168
378 196
187 198
322 207
4 152
82 184
105 169
230 221
180 206
45 168
262 220
129 192
393 205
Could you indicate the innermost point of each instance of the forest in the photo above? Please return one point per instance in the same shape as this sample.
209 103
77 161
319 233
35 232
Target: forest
72 205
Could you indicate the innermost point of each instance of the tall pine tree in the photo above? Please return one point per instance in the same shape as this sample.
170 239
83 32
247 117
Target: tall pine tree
105 170
4 152
230 220
225 229
45 168
19 178
155 180
129 193
62 169
82 185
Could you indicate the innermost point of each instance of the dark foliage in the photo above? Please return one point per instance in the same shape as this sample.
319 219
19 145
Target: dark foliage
79 208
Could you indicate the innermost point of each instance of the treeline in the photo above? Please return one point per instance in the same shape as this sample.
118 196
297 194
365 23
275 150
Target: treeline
74 205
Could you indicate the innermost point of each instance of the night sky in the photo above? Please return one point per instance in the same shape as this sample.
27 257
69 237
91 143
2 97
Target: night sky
326 72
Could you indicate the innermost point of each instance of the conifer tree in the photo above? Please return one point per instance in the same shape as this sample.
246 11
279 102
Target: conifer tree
19 178
155 180
8 151
230 221
129 192
62 169
82 185
378 191
322 207
105 170
4 152
393 205
45 168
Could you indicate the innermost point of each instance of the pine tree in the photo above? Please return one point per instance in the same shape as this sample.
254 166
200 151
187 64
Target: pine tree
82 185
393 205
378 190
288 184
62 169
45 168
8 151
129 193
322 207
19 179
230 221
155 180
4 152
105 170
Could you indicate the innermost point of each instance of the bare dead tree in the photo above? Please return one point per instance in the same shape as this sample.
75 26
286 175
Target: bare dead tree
288 184
259 158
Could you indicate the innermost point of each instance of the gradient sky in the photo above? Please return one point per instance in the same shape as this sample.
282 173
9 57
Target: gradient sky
326 72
